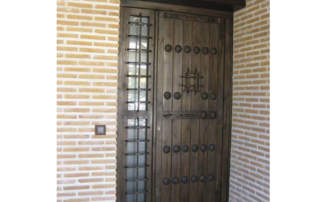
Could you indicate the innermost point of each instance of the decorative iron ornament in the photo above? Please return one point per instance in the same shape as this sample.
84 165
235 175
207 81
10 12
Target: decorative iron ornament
191 81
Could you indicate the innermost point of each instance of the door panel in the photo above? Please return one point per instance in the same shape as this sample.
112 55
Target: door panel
189 92
171 122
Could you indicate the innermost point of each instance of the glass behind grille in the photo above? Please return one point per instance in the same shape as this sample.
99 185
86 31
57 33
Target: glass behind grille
136 158
138 63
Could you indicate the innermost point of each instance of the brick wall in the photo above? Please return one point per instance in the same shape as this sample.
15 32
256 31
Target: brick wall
87 49
87 35
249 177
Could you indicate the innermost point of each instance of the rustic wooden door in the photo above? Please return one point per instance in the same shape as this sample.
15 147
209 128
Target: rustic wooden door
189 108
174 106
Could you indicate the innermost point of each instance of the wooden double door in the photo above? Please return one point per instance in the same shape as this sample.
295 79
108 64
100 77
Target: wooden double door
179 114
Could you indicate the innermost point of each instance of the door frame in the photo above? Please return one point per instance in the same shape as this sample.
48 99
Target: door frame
227 84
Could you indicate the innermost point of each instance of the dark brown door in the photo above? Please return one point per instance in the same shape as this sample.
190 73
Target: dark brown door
174 106
188 108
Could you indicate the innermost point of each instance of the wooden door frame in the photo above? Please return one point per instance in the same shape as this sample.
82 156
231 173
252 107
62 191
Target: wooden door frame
227 83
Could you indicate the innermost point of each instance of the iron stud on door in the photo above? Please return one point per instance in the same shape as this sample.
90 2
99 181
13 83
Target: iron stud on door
196 50
166 149
176 148
194 179
177 95
203 178
184 180
204 96
187 49
203 147
166 181
195 148
168 48
185 148
175 180
167 95
205 50
178 48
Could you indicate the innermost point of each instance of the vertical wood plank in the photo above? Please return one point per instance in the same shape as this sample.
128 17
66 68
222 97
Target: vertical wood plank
167 33
157 144
175 164
195 62
176 134
186 62
213 70
194 140
185 159
212 88
227 107
212 163
203 104
165 69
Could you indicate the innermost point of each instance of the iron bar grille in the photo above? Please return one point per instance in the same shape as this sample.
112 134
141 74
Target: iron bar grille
136 160
138 63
